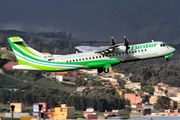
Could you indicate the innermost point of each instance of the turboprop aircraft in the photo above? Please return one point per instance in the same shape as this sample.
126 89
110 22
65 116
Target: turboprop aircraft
100 58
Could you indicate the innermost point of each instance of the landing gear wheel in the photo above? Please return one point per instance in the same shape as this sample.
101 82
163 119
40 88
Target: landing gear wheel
100 70
106 70
168 59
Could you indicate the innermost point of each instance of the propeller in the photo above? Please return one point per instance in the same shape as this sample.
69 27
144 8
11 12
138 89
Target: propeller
113 41
126 44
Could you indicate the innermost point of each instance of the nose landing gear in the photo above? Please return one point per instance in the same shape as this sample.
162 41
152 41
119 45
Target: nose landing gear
168 59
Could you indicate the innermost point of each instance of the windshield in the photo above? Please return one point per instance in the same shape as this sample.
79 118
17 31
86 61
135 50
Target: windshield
163 44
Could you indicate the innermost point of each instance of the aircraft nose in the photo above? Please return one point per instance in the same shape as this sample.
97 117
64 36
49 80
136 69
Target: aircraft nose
173 49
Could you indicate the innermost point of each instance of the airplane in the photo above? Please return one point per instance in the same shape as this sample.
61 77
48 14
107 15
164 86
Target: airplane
100 58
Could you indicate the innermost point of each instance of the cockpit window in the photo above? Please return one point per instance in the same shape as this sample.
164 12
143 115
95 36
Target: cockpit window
163 44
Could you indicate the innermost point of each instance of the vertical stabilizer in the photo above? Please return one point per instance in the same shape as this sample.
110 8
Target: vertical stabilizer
22 51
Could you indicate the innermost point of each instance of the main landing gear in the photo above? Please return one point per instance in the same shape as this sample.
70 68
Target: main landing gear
105 68
100 70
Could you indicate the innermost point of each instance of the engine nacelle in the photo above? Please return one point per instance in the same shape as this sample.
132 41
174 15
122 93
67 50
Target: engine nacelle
120 49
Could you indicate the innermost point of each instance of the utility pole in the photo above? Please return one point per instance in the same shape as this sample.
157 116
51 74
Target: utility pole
12 112
40 108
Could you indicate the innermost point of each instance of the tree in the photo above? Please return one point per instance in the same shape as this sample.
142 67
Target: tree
5 56
163 103
148 88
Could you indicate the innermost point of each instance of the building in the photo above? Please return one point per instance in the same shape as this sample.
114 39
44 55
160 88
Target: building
155 118
133 85
3 48
136 98
112 113
177 99
9 65
89 112
160 89
166 113
153 99
19 107
172 91
120 92
115 74
64 112
82 90
139 112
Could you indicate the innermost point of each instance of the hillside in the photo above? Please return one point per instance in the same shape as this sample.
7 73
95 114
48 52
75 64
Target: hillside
141 20
148 71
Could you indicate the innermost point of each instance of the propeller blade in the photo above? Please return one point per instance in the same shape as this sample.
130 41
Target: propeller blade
113 41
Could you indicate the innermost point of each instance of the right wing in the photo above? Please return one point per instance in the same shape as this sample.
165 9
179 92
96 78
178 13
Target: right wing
102 49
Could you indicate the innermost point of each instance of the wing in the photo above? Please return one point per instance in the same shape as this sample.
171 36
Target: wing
91 48
102 49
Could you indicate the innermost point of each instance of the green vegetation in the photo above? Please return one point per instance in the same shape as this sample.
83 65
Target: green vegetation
79 114
150 72
24 76
6 81
163 103
2 106
148 88
50 83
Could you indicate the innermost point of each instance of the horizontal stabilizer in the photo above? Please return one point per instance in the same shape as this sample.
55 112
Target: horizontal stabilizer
16 39
24 67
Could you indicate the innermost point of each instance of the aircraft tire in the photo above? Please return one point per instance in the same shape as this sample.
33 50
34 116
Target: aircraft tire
168 59
100 70
106 71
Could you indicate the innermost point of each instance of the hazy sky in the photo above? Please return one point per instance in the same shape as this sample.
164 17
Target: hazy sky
93 19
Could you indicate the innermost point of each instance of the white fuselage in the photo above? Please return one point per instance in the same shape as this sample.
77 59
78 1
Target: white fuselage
136 52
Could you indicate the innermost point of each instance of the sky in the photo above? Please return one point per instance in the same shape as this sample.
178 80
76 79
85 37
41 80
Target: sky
95 20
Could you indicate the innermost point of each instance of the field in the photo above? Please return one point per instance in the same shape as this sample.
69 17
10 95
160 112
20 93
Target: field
8 82
11 82
53 84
